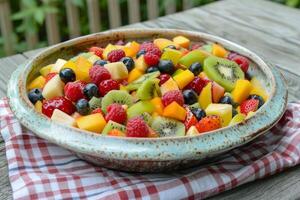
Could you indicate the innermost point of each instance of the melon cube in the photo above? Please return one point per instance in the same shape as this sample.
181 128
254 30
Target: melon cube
94 122
63 118
58 65
117 70
53 88
224 111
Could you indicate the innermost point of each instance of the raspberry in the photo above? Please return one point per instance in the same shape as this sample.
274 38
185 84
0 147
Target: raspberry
108 85
116 113
136 127
149 47
209 123
231 55
74 90
97 110
115 55
97 51
250 105
163 78
50 76
60 103
98 74
197 84
173 95
151 59
242 62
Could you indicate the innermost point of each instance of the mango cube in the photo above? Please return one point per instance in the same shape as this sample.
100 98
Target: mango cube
83 67
218 50
158 105
171 54
182 41
184 78
241 91
175 111
162 43
94 122
38 82
224 111
131 49
134 75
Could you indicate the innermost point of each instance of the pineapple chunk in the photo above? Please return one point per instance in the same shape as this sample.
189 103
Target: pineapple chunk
205 97
224 111
168 86
94 122
171 54
46 70
241 91
184 78
61 117
117 70
53 88
38 82
58 65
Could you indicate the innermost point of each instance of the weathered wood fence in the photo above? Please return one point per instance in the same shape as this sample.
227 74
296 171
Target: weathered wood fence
73 18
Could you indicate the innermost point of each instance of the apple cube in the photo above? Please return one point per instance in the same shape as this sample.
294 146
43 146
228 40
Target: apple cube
61 117
53 88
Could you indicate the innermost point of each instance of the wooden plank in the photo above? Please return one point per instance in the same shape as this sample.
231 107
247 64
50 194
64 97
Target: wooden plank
170 6
187 4
73 19
114 13
134 11
6 27
94 15
52 27
152 9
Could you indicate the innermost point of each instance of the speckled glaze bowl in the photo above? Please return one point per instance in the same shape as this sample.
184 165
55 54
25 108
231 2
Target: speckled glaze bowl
145 154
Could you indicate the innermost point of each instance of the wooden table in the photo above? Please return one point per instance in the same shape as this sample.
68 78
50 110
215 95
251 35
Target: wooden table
271 30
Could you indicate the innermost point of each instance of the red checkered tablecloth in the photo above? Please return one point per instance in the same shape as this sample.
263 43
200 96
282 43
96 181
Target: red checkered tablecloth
41 170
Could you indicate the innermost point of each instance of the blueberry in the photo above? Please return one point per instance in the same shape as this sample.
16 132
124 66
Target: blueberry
226 100
83 107
141 52
198 113
91 90
257 97
234 112
129 63
67 75
35 95
166 66
152 69
190 96
100 62
196 68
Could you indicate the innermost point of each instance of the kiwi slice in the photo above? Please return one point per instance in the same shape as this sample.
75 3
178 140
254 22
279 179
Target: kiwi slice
223 71
147 89
95 103
139 108
113 125
137 83
168 127
147 118
116 96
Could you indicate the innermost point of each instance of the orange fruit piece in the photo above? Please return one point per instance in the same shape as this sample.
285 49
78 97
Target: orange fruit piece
175 111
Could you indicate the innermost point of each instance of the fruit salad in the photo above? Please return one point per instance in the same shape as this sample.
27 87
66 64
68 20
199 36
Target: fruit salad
156 88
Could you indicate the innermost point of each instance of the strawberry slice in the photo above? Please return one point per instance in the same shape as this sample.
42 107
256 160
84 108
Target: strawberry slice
248 106
190 119
209 123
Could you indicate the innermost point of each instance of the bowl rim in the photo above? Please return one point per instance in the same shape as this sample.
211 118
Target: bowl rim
22 74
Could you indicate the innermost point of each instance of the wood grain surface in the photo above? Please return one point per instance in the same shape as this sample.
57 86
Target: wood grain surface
271 30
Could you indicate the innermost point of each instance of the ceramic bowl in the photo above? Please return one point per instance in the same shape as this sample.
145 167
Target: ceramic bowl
145 154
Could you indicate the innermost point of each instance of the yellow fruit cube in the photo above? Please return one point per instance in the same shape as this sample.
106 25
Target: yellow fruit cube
224 111
241 91
168 86
258 89
158 105
175 111
219 51
171 54
83 67
94 122
93 58
238 118
58 65
38 106
162 43
46 70
38 82
134 74
205 97
141 64
184 78
131 49
108 49
182 41
63 118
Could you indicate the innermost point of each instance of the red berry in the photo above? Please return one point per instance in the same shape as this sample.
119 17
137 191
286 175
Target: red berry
231 55
97 110
163 78
60 103
108 85
151 59
173 95
98 74
197 84
50 76
115 55
74 90
116 113
136 127
196 46
190 119
97 51
209 123
242 62
149 47
249 105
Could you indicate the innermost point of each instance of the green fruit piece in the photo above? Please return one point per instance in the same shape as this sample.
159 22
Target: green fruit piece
95 103
166 127
113 125
237 119
93 58
116 96
147 89
178 71
147 118
207 47
137 83
139 108
192 57
223 71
